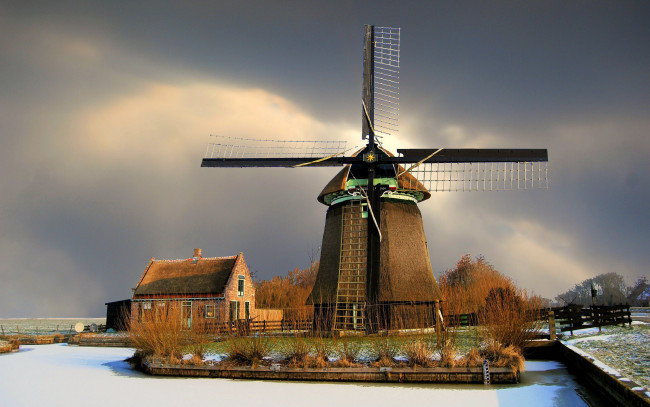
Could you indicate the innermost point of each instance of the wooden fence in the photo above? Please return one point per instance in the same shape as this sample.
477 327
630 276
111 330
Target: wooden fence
573 317
246 326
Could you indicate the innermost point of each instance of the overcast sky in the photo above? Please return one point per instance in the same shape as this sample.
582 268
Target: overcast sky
106 108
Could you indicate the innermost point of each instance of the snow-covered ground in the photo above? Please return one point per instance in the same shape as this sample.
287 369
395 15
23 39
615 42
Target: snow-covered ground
62 375
623 348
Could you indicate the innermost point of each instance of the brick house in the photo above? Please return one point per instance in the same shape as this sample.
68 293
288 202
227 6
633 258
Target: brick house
206 289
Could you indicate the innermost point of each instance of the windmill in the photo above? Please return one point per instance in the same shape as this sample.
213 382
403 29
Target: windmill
374 256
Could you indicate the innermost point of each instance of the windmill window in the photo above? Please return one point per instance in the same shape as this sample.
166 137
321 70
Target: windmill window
240 286
209 311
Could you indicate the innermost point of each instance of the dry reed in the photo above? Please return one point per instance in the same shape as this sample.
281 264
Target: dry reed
510 317
419 353
248 350
158 335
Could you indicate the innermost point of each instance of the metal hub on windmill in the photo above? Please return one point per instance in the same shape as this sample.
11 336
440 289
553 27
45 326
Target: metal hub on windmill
375 272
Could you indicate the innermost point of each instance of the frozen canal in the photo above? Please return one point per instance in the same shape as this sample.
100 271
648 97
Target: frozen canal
61 375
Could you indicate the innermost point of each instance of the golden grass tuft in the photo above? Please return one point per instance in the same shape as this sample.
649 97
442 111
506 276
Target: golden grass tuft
249 350
472 359
295 351
419 353
503 356
348 350
384 351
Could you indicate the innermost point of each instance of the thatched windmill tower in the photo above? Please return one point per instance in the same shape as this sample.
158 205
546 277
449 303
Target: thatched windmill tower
405 292
375 271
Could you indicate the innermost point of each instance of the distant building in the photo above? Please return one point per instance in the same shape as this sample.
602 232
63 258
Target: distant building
205 289
118 314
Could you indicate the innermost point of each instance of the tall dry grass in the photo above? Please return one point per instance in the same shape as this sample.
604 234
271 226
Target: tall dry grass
160 334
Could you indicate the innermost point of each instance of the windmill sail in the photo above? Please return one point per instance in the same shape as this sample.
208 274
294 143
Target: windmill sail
479 176
469 170
224 151
386 81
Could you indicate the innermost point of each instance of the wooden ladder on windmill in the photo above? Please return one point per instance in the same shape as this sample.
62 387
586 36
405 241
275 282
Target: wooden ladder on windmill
351 288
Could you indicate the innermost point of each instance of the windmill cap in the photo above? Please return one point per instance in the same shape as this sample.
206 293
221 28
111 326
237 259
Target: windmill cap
406 182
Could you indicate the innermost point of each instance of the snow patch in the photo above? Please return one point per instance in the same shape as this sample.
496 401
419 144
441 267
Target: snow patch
592 338
595 361
85 373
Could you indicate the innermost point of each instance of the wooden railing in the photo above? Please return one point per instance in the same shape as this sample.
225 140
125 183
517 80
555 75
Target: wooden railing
573 317
246 326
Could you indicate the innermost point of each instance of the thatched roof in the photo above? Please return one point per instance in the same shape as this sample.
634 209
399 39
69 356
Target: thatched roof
197 276
405 182
405 273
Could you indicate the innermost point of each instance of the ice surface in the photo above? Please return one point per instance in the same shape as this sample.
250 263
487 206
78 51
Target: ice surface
61 375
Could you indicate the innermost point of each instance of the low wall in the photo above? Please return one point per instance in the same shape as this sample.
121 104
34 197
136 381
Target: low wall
346 374
602 378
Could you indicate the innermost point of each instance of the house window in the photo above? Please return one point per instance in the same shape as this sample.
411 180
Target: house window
240 286
147 313
247 310
234 310
209 311
186 314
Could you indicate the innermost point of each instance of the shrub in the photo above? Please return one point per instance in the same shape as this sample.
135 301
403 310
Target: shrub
510 317
465 287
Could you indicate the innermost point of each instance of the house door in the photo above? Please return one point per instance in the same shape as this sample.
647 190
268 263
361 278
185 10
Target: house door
186 314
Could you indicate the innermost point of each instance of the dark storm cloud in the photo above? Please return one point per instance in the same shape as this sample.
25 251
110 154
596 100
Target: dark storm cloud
105 108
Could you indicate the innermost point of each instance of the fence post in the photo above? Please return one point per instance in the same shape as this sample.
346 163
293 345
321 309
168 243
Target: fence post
438 321
551 326
629 316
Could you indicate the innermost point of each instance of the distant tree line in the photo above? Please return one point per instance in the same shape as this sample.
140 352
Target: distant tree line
287 292
609 289
473 284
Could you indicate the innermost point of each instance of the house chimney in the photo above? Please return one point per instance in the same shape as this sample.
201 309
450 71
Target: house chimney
197 253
